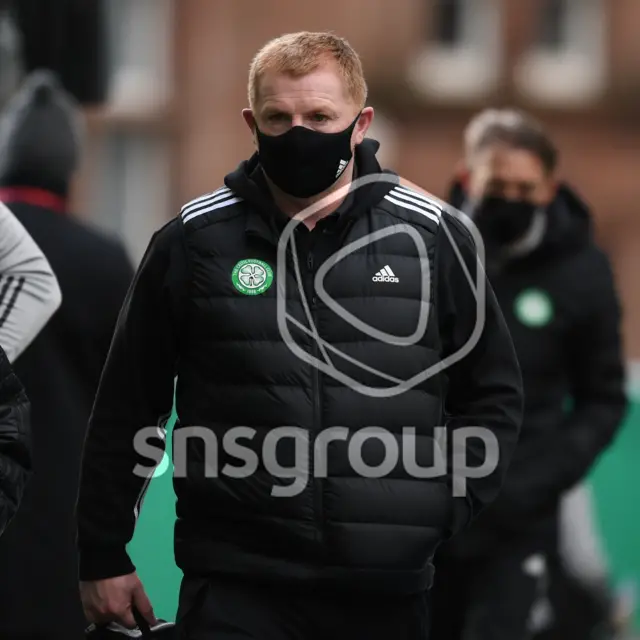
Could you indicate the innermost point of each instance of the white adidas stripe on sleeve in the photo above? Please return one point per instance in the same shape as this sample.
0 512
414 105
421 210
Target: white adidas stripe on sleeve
414 207
417 200
29 290
217 203
206 196
204 201
430 204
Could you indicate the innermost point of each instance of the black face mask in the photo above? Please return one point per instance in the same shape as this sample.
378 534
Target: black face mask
502 222
304 162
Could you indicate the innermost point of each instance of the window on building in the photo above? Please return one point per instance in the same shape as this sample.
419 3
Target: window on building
567 62
126 183
461 56
448 22
140 37
66 37
552 31
10 59
130 191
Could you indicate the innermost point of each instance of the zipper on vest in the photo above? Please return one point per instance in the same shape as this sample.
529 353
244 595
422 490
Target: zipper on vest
317 418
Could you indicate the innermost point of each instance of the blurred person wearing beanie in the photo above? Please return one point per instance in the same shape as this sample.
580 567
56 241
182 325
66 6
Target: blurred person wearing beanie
40 148
557 292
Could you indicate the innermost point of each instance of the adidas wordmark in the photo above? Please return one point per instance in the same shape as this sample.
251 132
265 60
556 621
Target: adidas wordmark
385 275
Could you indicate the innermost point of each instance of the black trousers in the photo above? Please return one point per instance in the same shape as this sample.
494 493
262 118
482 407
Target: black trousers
491 598
223 609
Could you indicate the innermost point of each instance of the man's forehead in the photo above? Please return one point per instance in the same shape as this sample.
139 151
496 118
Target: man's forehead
508 161
323 85
297 103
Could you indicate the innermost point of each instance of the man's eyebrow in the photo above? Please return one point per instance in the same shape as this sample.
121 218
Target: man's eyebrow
311 109
273 111
324 108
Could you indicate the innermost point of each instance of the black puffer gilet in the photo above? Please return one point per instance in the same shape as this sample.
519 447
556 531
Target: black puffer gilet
339 528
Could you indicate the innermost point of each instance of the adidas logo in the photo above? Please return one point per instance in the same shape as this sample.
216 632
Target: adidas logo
341 167
385 275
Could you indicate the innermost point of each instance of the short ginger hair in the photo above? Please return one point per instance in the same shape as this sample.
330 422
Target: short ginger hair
298 54
512 128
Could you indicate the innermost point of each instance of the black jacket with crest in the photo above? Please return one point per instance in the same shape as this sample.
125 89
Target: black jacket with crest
360 339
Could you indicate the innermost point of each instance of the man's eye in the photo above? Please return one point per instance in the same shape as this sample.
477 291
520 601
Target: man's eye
320 117
527 189
277 117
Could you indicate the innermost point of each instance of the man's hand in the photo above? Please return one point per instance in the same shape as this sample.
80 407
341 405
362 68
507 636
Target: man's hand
112 600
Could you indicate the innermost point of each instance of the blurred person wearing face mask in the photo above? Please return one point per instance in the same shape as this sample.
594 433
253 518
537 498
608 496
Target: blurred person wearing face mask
556 290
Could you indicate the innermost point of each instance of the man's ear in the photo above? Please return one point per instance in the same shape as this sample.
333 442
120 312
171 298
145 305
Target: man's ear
249 118
461 174
364 122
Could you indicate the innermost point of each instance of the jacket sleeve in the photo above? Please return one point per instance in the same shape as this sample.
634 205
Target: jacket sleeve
597 378
29 290
125 439
484 381
595 362
117 276
15 442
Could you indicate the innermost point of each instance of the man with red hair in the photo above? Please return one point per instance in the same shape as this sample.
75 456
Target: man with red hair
348 554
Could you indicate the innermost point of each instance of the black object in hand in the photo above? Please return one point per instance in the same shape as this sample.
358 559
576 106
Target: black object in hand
113 631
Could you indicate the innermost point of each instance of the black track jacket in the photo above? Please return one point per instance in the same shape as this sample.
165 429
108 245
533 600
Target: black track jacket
562 309
205 308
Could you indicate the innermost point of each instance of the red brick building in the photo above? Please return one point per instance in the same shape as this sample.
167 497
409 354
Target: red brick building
179 82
